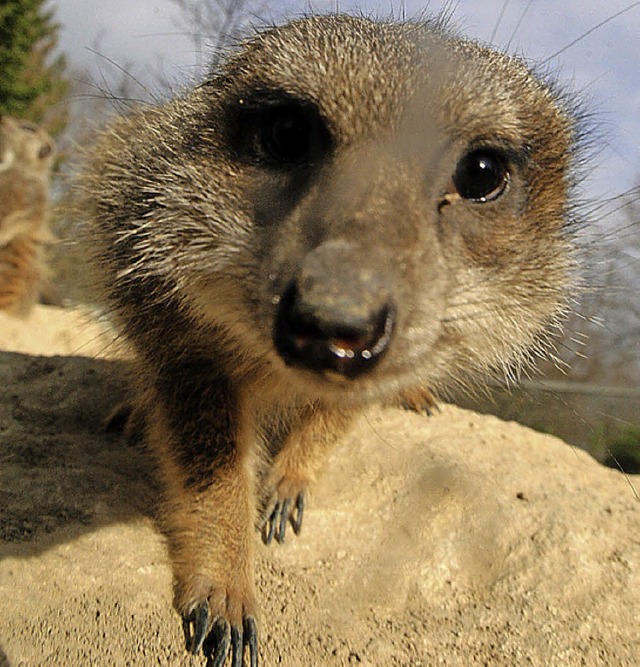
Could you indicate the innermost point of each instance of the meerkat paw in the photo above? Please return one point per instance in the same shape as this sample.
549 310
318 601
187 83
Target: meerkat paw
418 399
279 512
222 625
295 468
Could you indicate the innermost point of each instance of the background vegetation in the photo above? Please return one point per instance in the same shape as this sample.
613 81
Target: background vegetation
33 78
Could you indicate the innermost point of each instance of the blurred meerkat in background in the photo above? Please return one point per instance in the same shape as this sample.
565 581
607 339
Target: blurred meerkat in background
26 156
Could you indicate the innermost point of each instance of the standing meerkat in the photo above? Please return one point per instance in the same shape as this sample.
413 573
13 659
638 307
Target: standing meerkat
26 155
346 210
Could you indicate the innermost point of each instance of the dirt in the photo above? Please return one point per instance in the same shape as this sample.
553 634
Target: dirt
455 539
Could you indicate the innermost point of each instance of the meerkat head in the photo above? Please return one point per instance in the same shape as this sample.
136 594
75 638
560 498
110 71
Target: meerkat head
359 205
26 145
406 196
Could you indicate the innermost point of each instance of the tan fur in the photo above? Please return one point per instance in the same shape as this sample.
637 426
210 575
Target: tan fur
22 270
26 153
208 247
305 450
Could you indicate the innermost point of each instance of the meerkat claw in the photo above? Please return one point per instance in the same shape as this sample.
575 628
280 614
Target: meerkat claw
296 521
250 639
285 506
216 645
268 526
195 625
237 647
275 522
225 637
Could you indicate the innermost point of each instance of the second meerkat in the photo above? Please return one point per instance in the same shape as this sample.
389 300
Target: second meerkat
345 210
26 156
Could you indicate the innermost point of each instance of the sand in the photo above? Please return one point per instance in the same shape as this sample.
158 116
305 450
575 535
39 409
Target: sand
455 539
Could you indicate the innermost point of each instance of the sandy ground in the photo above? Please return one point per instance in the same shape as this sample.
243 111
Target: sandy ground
451 540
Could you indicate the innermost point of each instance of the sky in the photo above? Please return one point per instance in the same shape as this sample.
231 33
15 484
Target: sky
143 36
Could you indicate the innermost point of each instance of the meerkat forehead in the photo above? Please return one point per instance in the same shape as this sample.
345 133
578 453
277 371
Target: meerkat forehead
365 75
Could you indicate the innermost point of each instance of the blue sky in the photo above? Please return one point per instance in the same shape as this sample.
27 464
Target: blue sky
606 64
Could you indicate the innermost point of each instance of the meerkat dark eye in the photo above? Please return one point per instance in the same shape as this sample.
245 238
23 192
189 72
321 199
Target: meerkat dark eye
289 135
45 151
281 132
481 175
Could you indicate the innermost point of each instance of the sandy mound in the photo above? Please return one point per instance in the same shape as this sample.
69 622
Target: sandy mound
57 331
453 540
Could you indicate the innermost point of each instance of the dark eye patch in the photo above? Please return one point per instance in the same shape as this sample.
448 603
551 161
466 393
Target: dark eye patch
280 131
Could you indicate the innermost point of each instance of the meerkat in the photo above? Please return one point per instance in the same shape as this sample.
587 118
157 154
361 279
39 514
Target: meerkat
345 212
26 155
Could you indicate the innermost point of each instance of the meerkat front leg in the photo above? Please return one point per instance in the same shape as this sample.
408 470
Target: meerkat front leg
296 466
204 448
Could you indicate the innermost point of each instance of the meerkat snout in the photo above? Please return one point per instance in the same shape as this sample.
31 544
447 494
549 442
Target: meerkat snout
335 315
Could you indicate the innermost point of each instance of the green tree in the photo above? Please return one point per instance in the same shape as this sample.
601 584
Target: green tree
32 76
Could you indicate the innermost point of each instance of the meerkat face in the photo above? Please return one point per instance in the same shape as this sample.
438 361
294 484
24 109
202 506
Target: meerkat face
360 206
37 147
406 202
26 145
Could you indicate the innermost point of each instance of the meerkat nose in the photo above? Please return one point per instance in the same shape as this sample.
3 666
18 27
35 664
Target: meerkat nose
335 315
